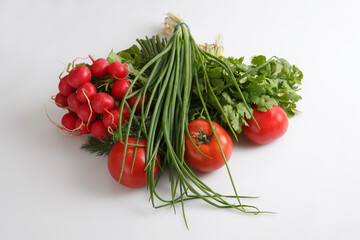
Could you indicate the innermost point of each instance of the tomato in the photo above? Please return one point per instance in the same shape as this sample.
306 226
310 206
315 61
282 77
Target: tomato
273 124
207 144
133 176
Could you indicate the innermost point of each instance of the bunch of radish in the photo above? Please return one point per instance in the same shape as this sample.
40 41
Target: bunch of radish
89 110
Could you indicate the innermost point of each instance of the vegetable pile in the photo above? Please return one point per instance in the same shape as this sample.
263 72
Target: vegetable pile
169 104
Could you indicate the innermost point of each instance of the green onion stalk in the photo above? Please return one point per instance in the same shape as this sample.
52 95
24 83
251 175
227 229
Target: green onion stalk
174 75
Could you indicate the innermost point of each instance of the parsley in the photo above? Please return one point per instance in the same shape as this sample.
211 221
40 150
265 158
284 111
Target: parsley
264 83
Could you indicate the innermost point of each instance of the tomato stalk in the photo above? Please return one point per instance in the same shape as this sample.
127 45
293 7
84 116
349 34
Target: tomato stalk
203 138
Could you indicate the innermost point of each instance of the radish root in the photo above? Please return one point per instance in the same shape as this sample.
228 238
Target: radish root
88 101
61 127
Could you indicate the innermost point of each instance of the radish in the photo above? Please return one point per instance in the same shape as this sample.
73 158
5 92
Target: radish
85 113
82 127
86 92
102 102
132 101
68 122
64 87
73 102
118 70
99 68
119 88
61 100
99 130
111 118
79 75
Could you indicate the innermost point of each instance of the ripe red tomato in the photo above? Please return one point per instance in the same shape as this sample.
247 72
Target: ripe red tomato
133 176
273 124
207 144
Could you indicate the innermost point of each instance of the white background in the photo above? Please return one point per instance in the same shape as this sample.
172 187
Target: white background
50 189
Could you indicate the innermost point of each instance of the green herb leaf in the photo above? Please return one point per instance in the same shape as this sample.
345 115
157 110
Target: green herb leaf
113 57
258 60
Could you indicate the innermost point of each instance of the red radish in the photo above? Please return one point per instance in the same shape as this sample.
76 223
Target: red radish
68 122
111 118
118 70
99 68
78 76
132 101
99 130
102 102
61 100
73 102
119 88
82 127
85 113
87 89
64 87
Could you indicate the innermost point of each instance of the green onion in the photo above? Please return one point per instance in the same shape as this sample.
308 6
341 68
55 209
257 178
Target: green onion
174 75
